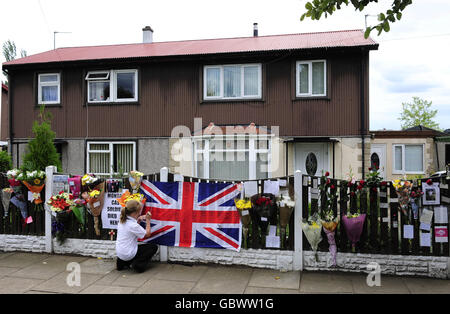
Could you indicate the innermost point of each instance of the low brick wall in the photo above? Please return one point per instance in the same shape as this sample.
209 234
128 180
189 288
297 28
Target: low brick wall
399 265
273 259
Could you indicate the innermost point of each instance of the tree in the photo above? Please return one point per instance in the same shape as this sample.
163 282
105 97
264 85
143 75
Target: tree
315 9
418 112
40 151
10 52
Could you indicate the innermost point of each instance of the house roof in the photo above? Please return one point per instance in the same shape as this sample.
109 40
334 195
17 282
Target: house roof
418 131
348 38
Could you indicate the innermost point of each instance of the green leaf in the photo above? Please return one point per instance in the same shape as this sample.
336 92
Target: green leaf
386 26
308 6
399 16
381 17
367 32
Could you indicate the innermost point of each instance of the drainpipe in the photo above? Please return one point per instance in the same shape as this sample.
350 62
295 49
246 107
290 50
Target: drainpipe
10 113
362 113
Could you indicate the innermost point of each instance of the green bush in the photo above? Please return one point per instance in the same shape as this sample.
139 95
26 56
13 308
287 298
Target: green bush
40 151
5 161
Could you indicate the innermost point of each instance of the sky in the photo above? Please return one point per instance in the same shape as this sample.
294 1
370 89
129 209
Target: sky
412 59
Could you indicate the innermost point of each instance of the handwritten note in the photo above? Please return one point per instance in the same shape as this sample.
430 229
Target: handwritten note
408 231
441 215
273 241
272 187
425 239
250 188
427 216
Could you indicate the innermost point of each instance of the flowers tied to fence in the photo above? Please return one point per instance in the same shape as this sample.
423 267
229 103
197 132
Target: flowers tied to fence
94 199
403 189
61 205
18 199
264 211
6 199
35 182
353 224
313 232
286 206
127 196
135 180
244 206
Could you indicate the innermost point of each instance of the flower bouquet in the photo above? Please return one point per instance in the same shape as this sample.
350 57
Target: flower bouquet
14 183
264 209
244 206
78 209
61 205
75 185
286 206
353 224
35 182
95 203
127 196
6 199
416 195
313 232
135 180
403 189
329 224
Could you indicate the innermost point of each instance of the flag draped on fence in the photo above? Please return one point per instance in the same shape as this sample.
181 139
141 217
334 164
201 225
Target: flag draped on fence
192 214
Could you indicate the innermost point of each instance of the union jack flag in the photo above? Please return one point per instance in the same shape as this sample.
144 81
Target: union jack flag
192 214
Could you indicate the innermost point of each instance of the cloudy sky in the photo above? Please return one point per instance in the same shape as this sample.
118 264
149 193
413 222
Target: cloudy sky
412 59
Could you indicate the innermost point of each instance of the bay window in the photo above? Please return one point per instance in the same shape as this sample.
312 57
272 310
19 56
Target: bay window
311 78
107 158
408 158
112 86
237 81
231 157
49 86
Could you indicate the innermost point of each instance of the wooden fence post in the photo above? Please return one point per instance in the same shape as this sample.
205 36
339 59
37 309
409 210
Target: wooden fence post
298 216
48 215
163 250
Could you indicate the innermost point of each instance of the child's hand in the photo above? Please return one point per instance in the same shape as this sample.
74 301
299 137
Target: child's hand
148 216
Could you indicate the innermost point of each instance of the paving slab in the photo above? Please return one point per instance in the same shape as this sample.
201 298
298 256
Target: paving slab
22 259
14 285
427 285
127 278
223 280
162 286
181 272
389 285
98 266
315 282
5 254
59 284
260 290
4 271
100 289
268 278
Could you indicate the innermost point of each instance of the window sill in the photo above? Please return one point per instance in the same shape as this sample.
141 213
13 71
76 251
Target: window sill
312 98
124 103
59 105
212 101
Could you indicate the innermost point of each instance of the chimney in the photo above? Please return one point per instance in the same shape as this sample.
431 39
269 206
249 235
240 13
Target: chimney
255 29
147 37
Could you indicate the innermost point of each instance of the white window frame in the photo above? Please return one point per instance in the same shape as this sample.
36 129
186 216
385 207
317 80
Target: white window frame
41 84
252 152
221 83
111 155
403 171
310 80
112 79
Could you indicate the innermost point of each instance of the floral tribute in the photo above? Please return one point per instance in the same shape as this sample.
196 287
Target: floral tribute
313 232
61 205
127 196
17 197
286 206
353 224
403 189
35 182
244 206
135 180
94 197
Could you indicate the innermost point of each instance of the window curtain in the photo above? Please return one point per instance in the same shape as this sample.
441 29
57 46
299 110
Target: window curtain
229 166
251 81
213 82
49 93
414 158
123 157
303 78
398 158
232 81
318 76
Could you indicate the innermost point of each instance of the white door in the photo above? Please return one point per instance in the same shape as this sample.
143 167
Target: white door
378 158
311 158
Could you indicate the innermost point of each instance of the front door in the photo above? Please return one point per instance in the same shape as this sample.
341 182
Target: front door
311 158
378 158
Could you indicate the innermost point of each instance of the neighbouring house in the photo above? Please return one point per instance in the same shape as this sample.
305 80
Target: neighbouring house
411 152
247 108
443 150
4 117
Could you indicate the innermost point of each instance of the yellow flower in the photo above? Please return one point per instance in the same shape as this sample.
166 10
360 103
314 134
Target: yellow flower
94 193
243 204
37 181
314 225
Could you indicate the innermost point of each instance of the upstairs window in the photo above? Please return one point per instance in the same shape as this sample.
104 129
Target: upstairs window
112 86
238 81
49 86
311 78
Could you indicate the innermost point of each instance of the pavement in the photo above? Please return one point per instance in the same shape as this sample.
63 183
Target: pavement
37 273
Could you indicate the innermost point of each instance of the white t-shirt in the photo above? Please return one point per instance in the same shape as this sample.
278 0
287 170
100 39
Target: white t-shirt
127 235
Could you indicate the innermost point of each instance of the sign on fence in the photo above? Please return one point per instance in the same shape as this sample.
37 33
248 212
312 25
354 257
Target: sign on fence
60 183
111 211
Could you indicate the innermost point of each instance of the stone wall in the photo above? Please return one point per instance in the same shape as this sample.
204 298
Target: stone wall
399 265
10 242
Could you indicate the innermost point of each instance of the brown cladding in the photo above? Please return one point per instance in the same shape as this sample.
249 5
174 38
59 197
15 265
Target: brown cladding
169 96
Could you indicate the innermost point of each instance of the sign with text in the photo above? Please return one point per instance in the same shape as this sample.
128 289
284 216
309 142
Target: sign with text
111 211
60 183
